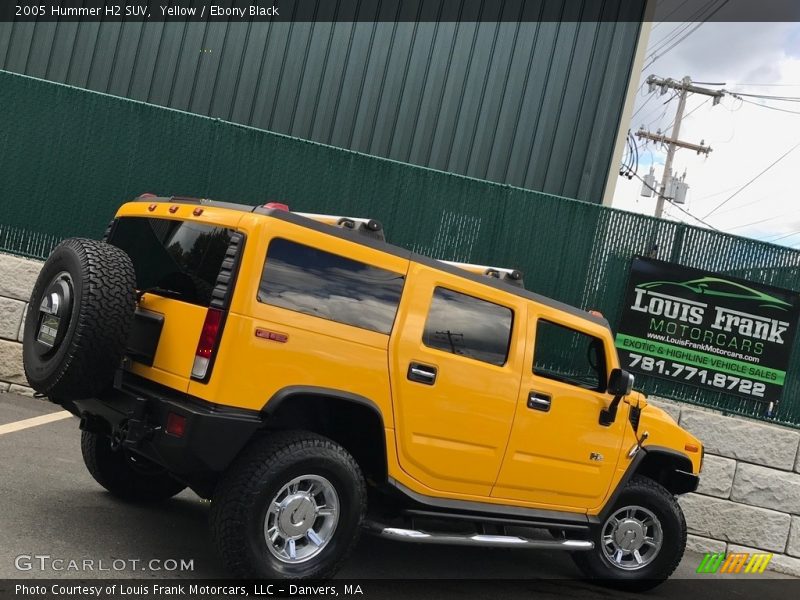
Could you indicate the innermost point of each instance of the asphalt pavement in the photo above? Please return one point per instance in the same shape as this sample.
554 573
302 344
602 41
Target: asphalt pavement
51 507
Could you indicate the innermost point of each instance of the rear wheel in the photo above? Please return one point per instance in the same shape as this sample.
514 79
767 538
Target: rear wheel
640 543
290 507
126 475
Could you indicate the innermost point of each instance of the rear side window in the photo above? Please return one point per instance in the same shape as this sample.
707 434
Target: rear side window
468 326
570 356
326 285
177 259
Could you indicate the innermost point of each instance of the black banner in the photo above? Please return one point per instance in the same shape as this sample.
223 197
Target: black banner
705 329
629 11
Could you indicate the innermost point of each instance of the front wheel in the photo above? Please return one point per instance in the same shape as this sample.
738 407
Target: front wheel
290 507
641 541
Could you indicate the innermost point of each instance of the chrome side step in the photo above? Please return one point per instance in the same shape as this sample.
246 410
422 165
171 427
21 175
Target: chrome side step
475 539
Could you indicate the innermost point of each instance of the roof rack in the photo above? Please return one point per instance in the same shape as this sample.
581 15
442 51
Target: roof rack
511 276
369 227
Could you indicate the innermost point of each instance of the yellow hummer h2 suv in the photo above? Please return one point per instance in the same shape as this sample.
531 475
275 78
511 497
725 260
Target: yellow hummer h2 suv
313 381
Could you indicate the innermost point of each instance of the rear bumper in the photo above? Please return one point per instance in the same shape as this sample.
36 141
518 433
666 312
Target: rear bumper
135 415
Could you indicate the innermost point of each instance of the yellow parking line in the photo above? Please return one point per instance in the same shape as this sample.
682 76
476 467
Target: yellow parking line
34 422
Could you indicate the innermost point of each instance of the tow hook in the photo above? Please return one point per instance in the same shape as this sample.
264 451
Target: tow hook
136 432
118 437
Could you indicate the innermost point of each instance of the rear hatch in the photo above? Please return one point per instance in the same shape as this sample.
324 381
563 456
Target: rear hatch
184 275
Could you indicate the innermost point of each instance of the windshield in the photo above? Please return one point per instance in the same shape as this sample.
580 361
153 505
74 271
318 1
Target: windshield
177 259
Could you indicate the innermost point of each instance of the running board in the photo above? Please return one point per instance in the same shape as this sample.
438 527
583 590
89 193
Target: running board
475 539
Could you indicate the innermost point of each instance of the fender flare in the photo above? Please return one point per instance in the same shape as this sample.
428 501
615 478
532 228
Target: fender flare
688 479
283 395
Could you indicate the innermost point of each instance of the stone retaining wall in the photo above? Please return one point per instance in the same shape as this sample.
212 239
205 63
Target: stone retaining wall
17 277
749 494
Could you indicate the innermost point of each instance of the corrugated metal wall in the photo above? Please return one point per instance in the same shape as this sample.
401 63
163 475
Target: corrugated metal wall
532 104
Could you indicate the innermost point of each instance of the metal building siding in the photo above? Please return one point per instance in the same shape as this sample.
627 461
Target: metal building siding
535 104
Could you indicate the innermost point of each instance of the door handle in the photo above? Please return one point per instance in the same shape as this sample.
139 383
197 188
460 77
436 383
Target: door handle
539 401
421 373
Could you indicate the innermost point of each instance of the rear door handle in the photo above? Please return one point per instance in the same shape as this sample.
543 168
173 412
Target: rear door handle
422 373
539 401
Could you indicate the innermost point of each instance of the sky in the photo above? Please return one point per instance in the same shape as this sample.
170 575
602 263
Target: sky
745 138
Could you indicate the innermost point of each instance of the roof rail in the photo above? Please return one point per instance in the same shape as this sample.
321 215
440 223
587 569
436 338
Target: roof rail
511 276
369 227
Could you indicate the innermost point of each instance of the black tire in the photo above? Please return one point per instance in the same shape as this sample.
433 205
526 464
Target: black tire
125 475
241 500
648 494
95 284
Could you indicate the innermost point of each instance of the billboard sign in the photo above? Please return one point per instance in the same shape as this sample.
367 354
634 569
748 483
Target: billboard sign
705 329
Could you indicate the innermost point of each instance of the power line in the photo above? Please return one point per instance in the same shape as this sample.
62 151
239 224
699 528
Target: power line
792 212
768 97
781 237
775 162
791 112
649 97
679 29
655 56
770 84
666 17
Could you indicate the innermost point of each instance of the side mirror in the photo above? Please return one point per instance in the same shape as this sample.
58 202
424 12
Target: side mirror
620 384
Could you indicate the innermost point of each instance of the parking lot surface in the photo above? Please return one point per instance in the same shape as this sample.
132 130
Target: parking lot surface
50 506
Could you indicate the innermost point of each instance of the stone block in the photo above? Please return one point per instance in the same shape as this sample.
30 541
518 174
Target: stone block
737 523
696 543
768 488
793 545
22 390
10 317
11 369
716 477
17 276
743 439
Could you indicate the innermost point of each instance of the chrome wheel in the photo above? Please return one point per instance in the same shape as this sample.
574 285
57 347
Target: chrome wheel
631 538
301 518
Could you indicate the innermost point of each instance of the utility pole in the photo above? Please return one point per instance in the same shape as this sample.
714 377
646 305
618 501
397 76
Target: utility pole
685 87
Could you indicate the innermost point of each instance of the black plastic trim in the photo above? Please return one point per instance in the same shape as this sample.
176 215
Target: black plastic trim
222 293
631 471
494 520
138 414
284 394
546 518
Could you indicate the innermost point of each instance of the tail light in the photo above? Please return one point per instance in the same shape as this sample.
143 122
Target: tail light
207 344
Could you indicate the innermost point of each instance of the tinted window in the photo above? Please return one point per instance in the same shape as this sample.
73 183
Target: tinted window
178 259
329 286
570 356
468 326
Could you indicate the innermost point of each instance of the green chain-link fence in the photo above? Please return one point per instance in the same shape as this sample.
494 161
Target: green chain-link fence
70 157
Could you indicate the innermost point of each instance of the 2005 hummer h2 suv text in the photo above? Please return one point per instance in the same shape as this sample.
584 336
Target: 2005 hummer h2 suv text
313 381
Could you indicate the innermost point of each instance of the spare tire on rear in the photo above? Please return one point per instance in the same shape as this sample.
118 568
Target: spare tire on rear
78 320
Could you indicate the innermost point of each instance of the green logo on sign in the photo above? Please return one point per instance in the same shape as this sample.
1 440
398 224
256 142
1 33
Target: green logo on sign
714 286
